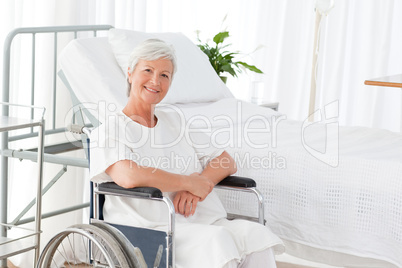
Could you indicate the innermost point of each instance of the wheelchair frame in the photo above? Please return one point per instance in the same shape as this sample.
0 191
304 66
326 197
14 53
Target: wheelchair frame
149 193
111 237
229 183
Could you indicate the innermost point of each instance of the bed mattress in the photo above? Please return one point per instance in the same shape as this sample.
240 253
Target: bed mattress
338 193
333 194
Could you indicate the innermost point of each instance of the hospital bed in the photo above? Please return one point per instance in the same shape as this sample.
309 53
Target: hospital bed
105 245
333 194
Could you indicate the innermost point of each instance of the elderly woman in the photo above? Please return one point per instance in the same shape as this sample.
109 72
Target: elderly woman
142 146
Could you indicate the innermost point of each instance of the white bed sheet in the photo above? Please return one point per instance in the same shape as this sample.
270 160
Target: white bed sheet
321 212
353 209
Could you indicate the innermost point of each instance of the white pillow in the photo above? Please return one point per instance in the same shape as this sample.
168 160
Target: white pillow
94 75
195 79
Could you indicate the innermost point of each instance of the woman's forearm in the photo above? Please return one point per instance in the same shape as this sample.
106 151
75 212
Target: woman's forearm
219 168
128 174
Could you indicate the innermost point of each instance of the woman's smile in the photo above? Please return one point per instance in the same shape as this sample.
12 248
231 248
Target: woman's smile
151 90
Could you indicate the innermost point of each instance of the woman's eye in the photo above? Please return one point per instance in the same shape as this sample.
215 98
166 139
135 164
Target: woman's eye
148 70
165 75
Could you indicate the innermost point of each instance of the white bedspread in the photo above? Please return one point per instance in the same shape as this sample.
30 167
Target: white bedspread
353 208
332 194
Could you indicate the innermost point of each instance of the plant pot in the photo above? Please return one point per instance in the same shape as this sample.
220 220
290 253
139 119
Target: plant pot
224 79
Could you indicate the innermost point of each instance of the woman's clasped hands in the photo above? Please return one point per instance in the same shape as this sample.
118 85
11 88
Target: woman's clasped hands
185 202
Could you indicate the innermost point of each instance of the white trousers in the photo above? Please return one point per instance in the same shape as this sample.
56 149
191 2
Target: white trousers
262 259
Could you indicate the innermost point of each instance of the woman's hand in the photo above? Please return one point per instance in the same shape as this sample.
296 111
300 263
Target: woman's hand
185 203
200 185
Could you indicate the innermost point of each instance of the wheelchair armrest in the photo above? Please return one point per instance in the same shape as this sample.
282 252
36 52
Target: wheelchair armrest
113 188
236 181
244 185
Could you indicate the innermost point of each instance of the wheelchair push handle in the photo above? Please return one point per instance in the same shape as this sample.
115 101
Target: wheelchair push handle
79 129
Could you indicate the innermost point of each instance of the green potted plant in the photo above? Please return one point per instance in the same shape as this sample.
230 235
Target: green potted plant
222 60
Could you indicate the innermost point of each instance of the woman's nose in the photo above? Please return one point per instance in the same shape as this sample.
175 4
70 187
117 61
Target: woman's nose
155 79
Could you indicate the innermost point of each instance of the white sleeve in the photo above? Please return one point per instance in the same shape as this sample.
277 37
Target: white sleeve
204 148
105 150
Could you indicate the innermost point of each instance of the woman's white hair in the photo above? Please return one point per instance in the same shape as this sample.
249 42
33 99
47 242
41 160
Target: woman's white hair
149 50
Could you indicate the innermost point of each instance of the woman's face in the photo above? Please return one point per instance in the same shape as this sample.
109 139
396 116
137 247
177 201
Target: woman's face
150 80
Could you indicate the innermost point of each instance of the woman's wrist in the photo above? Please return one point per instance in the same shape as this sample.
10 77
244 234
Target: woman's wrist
185 183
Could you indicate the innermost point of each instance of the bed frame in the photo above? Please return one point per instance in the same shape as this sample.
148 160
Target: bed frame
51 152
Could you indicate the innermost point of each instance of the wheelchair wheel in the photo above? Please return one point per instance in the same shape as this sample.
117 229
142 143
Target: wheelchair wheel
84 245
132 253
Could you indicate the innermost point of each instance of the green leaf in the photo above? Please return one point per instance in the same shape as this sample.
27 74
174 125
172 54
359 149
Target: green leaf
220 37
229 69
228 57
221 59
250 67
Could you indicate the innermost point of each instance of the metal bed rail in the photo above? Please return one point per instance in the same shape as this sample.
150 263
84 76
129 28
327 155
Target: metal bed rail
10 246
52 128
34 31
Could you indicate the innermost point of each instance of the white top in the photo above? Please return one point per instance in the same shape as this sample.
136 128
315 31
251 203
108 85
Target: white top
167 146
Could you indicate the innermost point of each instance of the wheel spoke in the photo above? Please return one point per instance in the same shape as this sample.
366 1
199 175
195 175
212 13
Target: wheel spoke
61 254
99 246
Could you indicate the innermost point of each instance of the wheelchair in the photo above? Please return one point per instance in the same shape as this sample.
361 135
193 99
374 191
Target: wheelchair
102 244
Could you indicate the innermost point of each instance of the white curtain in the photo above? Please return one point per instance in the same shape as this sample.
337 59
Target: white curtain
360 39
